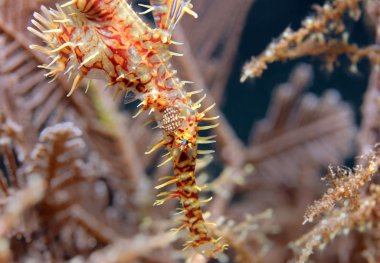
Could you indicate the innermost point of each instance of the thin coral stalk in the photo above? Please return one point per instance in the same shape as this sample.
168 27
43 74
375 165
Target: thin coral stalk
322 34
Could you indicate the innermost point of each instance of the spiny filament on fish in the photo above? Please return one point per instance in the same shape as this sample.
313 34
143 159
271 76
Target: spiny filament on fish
106 39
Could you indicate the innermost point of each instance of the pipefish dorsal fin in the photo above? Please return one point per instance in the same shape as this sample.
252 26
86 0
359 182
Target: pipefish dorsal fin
167 13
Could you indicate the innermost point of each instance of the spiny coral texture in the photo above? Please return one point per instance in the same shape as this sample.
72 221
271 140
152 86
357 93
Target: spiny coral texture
344 207
322 34
345 184
341 221
107 40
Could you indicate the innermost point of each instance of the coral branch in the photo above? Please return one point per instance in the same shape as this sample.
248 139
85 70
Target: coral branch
346 185
131 249
20 201
322 34
339 221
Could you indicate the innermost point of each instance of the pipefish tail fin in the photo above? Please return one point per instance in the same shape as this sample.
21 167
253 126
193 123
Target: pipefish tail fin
167 13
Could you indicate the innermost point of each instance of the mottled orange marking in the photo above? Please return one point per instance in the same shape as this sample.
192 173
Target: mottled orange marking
79 53
119 59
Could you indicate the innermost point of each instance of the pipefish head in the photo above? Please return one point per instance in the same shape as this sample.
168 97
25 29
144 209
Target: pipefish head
185 137
185 141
